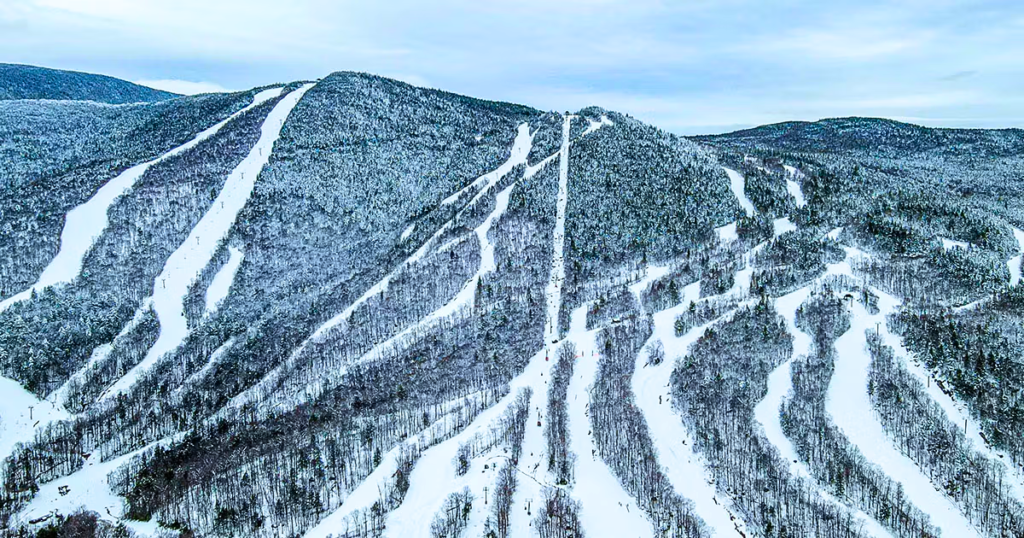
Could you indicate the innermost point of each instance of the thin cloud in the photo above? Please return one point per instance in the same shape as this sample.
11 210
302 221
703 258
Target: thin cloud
183 87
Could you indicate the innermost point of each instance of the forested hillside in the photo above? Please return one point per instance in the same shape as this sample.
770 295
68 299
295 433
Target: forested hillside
353 307
30 82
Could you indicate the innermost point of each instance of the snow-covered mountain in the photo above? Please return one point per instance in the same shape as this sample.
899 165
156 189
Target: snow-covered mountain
353 307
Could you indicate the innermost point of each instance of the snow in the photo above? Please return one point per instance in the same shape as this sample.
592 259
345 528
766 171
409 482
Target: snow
653 273
22 414
955 411
221 283
948 244
84 224
782 226
597 124
554 288
737 184
188 261
87 488
727 233
520 150
1014 263
851 410
408 232
793 187
606 509
780 383
685 468
210 363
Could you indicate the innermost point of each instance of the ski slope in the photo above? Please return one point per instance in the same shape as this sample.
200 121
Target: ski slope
850 407
793 187
554 288
221 284
22 414
1014 263
685 468
949 244
737 185
84 224
187 262
606 509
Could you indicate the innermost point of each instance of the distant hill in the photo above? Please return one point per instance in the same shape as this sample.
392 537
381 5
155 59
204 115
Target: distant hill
29 82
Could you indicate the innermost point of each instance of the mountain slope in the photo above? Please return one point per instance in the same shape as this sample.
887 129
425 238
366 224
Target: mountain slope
30 82
356 307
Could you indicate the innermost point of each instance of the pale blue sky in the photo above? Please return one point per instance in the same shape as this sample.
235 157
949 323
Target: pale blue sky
695 66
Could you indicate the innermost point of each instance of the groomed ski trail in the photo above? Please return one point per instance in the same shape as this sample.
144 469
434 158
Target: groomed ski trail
737 185
606 508
793 187
188 261
685 468
849 405
84 224
222 281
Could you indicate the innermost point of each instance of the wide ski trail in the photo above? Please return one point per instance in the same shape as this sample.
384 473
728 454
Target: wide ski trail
606 509
686 469
188 261
850 407
84 224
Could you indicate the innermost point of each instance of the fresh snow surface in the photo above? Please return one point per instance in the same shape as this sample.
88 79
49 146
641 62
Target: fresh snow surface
955 412
737 184
22 414
87 488
520 150
606 509
685 468
793 187
654 272
554 288
84 224
1014 263
782 226
780 383
221 283
188 261
210 363
727 233
948 244
408 232
851 410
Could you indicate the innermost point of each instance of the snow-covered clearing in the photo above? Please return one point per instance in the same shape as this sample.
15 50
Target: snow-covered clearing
653 273
84 224
850 407
606 509
738 186
685 468
781 226
793 187
727 233
222 281
948 244
407 232
187 262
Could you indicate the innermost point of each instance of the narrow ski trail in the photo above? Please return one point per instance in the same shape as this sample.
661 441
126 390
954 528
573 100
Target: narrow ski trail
737 185
606 508
187 262
686 469
84 224
221 284
793 187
